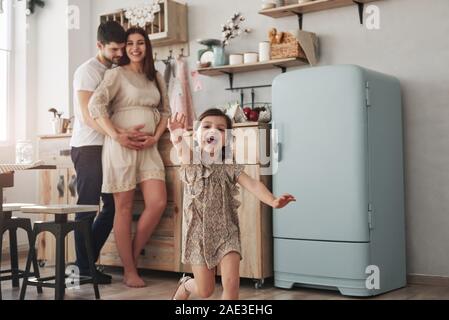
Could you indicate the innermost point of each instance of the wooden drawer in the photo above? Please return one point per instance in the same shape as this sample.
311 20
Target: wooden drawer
56 151
166 226
158 254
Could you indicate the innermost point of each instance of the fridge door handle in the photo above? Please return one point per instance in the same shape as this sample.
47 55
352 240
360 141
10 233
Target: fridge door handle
277 145
278 152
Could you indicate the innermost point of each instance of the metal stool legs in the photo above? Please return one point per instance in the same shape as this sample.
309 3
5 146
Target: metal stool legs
8 223
60 230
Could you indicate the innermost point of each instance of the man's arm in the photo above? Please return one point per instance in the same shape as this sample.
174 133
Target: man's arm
83 98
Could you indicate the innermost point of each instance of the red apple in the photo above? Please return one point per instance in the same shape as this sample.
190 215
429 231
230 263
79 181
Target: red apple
247 112
253 116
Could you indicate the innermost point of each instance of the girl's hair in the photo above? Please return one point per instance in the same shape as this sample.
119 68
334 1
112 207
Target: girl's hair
148 62
220 113
216 113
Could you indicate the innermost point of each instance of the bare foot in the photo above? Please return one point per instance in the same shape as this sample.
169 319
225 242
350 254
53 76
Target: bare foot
133 280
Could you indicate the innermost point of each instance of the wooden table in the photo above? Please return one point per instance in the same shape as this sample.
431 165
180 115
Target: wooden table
7 180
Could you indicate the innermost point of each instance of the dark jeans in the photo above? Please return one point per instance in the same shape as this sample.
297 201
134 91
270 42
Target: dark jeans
89 172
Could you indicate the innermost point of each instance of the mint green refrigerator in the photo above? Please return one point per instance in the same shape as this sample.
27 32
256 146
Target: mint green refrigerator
338 142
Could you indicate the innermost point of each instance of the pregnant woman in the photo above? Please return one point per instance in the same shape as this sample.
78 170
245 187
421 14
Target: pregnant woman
130 95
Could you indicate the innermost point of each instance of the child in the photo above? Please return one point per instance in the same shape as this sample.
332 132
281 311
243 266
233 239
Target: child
211 234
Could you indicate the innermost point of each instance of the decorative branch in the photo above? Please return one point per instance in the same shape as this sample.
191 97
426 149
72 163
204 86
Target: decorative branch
232 29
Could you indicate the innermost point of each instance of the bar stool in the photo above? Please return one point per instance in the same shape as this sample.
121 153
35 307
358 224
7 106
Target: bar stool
60 228
11 224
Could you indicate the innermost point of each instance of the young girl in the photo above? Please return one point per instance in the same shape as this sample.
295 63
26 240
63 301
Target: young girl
211 234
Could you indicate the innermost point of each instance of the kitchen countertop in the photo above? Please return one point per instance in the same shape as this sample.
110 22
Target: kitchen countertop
68 135
52 136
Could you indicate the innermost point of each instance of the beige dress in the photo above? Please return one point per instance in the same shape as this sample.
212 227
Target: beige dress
210 221
130 99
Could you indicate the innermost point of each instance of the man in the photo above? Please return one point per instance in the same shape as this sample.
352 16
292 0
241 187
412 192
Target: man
87 141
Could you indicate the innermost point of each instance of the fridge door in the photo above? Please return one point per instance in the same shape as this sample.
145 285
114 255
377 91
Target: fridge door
321 120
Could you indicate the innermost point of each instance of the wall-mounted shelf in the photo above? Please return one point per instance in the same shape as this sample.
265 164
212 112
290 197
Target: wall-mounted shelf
239 68
313 6
168 28
282 64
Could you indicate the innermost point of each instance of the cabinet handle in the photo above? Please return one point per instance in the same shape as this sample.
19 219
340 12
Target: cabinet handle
61 186
65 153
72 186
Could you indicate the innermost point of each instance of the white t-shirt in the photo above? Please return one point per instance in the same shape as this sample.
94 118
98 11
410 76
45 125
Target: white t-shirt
87 78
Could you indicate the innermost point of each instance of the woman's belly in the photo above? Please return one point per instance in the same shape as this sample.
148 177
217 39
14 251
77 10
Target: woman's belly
129 117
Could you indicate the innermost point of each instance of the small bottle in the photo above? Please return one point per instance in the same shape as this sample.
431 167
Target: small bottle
24 152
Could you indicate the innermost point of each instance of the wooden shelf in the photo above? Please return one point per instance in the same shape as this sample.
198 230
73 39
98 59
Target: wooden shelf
312 6
280 63
168 28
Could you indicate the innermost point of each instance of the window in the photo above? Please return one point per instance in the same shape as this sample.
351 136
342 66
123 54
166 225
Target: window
5 58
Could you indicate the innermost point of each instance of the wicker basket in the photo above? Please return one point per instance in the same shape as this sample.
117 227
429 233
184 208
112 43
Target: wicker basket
289 48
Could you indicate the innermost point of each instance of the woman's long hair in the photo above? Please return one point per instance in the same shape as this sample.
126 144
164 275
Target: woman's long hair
148 62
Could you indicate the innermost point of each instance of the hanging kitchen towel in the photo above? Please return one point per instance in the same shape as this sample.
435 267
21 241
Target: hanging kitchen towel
181 95
169 71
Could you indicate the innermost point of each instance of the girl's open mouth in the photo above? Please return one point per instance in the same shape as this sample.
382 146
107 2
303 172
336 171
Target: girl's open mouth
211 140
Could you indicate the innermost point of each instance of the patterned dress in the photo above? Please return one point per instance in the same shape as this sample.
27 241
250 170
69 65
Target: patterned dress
210 221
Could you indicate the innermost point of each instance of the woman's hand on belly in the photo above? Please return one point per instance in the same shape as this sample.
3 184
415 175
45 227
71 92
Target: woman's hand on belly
149 142
135 133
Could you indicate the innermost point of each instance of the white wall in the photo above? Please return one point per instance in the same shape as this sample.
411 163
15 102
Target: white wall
80 46
52 56
23 106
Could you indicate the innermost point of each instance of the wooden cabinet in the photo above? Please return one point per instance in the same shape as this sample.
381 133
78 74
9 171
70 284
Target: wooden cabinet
252 148
56 187
163 251
169 26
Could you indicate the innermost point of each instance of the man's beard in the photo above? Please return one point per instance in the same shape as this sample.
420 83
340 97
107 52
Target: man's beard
109 60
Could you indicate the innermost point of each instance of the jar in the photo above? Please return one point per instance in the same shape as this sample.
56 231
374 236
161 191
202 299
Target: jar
264 51
235 59
280 3
250 57
24 152
268 4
